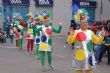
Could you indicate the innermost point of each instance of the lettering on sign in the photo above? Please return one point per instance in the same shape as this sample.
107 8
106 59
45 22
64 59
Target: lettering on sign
84 3
44 2
16 1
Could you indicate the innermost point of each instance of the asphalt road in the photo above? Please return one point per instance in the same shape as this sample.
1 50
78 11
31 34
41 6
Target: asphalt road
13 60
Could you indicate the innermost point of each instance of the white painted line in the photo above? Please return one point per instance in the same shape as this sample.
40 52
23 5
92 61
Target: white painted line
6 47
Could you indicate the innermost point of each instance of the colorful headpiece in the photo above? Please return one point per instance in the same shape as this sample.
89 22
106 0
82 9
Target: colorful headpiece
45 14
29 15
81 16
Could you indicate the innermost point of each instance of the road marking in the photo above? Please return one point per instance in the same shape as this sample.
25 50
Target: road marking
6 47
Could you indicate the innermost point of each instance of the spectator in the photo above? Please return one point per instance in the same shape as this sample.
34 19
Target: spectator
106 47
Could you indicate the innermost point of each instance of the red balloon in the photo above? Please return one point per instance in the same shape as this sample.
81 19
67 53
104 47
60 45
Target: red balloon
49 31
81 36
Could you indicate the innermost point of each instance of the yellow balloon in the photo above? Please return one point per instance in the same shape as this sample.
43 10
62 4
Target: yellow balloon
43 47
40 17
80 55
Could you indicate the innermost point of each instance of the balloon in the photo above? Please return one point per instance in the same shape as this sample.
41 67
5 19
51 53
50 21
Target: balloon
80 55
90 46
43 46
81 36
90 61
43 38
49 31
19 30
37 40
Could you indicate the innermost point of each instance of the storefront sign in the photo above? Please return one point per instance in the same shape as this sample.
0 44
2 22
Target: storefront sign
47 3
15 2
91 4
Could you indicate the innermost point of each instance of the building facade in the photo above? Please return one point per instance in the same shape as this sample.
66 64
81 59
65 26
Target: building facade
61 10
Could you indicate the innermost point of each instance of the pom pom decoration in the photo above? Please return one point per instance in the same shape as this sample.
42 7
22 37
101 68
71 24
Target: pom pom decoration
81 15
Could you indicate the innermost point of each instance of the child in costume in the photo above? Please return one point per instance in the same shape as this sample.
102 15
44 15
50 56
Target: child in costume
83 39
13 29
30 34
38 24
46 41
19 32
